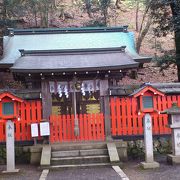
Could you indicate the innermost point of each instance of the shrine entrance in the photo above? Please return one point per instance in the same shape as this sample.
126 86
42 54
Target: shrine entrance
76 113
87 98
88 104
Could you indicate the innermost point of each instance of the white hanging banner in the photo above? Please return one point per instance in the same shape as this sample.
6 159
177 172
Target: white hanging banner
62 87
67 87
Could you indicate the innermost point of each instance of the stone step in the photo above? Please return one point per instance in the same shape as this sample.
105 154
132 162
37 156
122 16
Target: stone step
89 165
85 152
69 153
80 160
77 146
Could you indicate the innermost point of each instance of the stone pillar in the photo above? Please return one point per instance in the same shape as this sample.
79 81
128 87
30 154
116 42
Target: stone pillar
174 123
10 154
176 142
174 158
148 142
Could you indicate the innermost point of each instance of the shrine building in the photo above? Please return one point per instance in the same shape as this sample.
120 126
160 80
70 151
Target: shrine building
71 69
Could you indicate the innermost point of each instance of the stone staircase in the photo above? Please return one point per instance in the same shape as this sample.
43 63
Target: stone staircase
69 155
79 155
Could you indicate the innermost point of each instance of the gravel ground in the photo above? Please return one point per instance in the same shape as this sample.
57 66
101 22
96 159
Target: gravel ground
165 172
27 172
104 173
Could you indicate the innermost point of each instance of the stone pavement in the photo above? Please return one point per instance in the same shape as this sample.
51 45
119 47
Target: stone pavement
28 172
165 172
131 169
100 173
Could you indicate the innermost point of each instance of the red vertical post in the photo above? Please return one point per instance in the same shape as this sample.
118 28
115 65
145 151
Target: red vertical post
72 126
64 127
98 126
124 116
169 101
81 127
161 125
68 128
113 117
28 119
85 127
94 126
60 127
102 126
129 116
134 115
119 117
89 127
23 122
55 128
156 124
17 125
140 124
39 111
52 129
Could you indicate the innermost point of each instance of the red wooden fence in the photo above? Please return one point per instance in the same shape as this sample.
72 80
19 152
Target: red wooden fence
126 119
29 112
91 127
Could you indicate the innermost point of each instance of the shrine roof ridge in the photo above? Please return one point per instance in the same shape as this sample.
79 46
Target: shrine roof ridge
12 31
71 51
126 90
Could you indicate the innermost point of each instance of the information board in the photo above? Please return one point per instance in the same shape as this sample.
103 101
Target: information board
44 129
34 130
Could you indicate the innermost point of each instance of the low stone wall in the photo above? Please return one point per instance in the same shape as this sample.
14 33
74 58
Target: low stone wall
21 156
35 154
122 150
136 148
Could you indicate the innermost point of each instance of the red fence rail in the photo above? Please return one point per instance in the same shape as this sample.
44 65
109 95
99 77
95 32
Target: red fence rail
91 127
29 112
126 119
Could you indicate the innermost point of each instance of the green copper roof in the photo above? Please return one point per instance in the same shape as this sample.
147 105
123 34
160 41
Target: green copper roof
61 41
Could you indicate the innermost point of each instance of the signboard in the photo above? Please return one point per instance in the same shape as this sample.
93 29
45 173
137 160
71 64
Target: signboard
34 130
44 129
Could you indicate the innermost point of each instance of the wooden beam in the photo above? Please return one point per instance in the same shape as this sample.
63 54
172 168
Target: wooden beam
104 85
46 99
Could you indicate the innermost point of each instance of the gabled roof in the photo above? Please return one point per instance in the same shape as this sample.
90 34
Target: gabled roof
64 39
145 89
11 96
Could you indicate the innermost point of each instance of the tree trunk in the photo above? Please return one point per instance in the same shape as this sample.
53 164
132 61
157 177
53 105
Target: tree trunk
3 17
88 8
175 7
118 2
137 15
142 34
177 44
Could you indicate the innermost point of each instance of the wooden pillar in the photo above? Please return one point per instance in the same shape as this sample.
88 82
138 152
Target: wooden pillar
46 99
104 100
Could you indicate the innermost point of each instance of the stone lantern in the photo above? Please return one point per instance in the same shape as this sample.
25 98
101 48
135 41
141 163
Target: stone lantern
174 123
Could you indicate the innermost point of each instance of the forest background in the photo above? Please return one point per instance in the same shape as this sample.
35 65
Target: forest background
156 25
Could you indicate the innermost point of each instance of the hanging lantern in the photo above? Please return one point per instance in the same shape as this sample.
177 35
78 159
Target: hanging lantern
78 85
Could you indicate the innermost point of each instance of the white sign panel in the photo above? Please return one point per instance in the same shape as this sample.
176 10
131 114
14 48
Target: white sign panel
34 130
44 129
